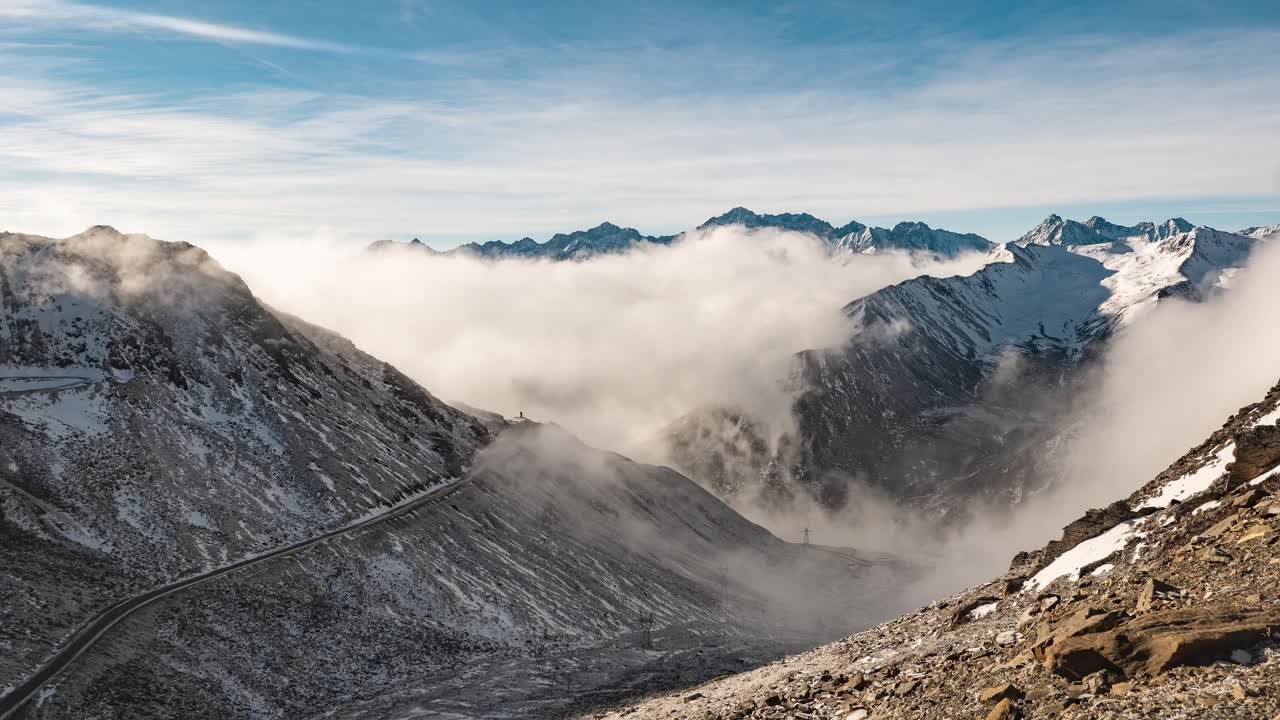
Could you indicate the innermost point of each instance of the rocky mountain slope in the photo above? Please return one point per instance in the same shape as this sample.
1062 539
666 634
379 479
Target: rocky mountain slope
608 238
955 387
1163 604
550 549
157 421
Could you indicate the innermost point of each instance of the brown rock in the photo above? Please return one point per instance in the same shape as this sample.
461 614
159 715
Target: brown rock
1253 533
1000 692
1216 555
1222 526
1156 642
1147 597
1004 710
1040 694
1257 451
1248 498
1082 622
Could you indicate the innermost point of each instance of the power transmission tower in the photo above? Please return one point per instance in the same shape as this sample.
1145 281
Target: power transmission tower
646 633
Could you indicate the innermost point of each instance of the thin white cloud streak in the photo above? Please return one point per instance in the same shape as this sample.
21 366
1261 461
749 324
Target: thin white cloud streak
1064 124
101 18
613 349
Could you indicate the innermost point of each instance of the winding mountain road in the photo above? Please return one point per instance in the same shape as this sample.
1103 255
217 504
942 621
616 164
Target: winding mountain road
86 636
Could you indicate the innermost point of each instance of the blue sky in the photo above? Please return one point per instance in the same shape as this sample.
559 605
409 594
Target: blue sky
453 121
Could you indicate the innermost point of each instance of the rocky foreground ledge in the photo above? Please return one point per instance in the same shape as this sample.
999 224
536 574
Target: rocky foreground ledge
1165 605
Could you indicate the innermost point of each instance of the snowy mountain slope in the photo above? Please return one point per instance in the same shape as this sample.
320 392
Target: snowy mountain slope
1055 297
551 547
156 419
954 387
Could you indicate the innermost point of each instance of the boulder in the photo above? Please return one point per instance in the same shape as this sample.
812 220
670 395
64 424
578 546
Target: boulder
1082 622
1158 641
1257 451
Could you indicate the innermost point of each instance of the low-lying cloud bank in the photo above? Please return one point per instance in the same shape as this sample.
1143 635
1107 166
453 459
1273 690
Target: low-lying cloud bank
614 348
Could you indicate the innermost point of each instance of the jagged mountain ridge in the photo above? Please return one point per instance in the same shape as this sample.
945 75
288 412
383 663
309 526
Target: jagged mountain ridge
858 238
608 238
1162 604
603 239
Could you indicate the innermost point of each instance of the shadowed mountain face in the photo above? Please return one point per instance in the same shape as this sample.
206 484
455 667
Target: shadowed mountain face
958 388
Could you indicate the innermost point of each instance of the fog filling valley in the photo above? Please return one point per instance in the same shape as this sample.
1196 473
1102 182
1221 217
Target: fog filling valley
614 348
617 347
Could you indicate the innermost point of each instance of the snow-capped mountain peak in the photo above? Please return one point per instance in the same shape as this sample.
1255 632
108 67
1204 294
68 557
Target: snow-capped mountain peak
1054 230
1260 232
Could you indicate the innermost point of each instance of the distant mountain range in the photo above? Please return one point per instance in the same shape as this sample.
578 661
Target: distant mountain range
608 238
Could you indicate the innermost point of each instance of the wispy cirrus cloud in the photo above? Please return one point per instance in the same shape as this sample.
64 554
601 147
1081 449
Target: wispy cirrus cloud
102 18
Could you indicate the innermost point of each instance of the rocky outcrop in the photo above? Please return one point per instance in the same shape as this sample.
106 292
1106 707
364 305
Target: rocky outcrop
1155 643
1094 522
1257 451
